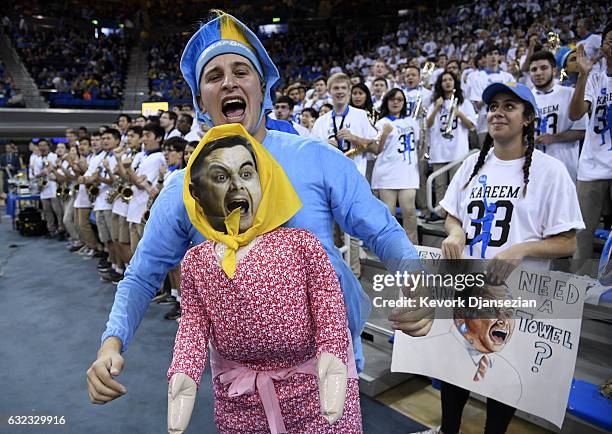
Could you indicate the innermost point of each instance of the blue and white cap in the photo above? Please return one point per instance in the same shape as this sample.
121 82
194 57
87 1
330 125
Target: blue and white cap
223 35
520 90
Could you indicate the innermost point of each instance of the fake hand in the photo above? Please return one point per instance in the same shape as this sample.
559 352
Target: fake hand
181 398
332 374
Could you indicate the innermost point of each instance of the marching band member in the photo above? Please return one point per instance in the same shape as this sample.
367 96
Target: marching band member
91 150
66 177
449 120
44 165
396 170
144 178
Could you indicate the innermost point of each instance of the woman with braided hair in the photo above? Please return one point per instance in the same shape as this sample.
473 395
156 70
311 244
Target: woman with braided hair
492 214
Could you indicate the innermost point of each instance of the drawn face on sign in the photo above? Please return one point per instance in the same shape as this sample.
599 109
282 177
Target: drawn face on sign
487 329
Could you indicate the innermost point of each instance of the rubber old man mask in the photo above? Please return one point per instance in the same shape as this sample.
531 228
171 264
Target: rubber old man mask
237 191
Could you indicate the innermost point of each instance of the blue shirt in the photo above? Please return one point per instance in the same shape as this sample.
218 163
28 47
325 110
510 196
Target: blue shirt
330 188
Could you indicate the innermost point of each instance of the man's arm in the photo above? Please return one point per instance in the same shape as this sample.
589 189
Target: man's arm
163 245
578 106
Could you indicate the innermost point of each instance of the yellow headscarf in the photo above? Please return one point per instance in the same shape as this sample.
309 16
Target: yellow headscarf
279 201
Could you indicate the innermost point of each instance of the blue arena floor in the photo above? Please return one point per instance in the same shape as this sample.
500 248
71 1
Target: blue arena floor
53 312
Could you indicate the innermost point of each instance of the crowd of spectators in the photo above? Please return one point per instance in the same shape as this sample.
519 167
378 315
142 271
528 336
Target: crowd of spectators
74 67
10 96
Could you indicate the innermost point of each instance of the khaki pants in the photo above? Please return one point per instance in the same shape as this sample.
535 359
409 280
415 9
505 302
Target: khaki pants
441 184
136 231
85 229
593 197
69 218
406 199
52 211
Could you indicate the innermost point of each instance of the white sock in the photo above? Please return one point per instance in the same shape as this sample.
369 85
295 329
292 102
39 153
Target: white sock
174 292
119 270
178 299
114 267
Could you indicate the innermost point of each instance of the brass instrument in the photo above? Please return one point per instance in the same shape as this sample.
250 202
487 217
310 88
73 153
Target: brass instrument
417 106
42 180
450 117
358 150
147 213
553 42
62 192
427 72
93 190
126 193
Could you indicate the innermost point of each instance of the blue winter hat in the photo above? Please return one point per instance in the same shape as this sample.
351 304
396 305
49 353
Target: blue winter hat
518 89
223 35
562 55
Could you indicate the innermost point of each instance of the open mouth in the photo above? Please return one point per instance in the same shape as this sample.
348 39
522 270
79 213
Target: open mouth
234 108
498 336
243 204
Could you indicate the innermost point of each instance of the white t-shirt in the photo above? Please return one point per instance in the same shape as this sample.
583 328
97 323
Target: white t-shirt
49 192
412 96
596 158
553 107
100 204
149 166
356 120
442 150
82 199
172 133
549 208
397 166
317 103
478 82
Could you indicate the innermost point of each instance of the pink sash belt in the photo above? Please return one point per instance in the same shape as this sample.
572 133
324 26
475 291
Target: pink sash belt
245 381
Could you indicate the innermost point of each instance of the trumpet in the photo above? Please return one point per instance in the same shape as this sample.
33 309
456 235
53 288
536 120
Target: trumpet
450 118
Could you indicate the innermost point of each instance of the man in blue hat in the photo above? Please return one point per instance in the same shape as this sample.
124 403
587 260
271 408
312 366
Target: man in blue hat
230 76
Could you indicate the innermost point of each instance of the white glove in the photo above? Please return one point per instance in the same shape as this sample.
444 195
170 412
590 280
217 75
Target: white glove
332 375
181 398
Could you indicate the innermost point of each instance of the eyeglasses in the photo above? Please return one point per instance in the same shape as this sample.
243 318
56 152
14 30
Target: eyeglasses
396 99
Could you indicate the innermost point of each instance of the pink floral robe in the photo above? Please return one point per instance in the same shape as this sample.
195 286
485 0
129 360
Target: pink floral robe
283 307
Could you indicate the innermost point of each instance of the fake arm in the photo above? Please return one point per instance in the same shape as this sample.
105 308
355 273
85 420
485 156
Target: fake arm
191 344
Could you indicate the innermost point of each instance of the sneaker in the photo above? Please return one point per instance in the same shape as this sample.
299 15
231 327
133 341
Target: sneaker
104 266
89 254
167 300
100 254
76 247
110 276
83 250
174 313
160 296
